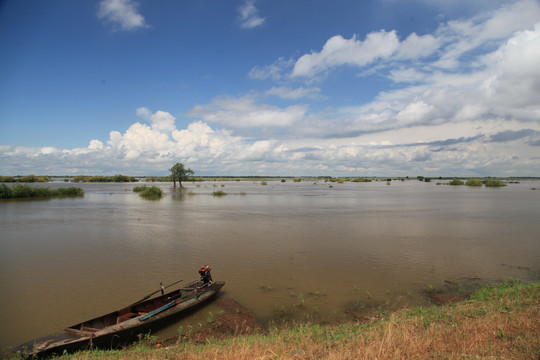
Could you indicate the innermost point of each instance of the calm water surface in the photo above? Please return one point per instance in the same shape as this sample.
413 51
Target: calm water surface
277 245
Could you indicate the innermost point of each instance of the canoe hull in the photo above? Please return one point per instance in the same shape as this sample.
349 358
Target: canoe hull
127 328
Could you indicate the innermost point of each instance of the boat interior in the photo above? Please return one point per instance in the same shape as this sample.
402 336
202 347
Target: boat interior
136 309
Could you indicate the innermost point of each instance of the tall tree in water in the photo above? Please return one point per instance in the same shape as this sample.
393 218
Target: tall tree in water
180 173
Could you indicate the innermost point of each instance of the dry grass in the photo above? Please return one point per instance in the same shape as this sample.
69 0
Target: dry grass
498 323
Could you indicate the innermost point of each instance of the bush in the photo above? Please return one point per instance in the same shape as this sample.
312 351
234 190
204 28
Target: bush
139 188
151 192
456 181
474 182
5 192
123 178
19 191
219 193
361 180
494 183
4 179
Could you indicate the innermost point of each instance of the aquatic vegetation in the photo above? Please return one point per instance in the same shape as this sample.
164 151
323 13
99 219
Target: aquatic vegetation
27 179
219 193
456 181
361 180
19 191
368 294
139 188
474 182
494 183
300 300
152 192
115 178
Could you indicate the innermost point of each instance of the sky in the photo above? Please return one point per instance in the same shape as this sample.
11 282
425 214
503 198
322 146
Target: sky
270 87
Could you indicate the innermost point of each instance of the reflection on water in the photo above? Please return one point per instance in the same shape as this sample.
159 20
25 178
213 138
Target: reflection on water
276 245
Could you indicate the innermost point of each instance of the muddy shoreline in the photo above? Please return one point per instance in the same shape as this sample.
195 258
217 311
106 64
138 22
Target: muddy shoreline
236 320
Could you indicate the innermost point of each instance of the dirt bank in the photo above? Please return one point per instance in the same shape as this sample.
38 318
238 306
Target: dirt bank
233 320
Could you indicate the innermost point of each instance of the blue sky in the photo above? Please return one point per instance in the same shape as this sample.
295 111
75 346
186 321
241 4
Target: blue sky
270 87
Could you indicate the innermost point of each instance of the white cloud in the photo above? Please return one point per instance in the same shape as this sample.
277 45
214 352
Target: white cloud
298 93
273 71
243 112
414 113
414 46
121 13
161 120
513 84
95 145
141 141
249 15
339 51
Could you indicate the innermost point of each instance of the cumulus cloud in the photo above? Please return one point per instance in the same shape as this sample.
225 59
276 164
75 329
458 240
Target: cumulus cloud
161 120
513 84
249 15
121 13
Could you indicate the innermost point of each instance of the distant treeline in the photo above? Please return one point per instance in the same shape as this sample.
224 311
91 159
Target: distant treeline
25 179
115 178
19 191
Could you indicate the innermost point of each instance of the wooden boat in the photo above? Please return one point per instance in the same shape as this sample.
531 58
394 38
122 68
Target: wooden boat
109 330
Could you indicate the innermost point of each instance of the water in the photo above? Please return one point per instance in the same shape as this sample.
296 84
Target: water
303 251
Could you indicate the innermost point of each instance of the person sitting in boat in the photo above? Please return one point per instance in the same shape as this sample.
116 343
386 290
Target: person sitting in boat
206 277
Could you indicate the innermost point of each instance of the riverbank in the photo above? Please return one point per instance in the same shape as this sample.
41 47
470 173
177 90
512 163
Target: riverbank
495 322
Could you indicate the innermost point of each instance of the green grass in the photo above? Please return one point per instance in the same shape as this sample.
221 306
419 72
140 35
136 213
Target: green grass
19 191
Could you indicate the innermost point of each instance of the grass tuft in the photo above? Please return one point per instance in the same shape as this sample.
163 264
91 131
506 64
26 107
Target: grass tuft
152 192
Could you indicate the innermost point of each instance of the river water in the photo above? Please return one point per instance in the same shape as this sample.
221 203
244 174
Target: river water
299 251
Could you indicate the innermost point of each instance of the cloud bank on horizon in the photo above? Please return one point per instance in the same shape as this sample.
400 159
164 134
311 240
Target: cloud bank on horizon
461 100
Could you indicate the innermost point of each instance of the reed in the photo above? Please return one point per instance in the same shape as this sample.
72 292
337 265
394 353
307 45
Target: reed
219 193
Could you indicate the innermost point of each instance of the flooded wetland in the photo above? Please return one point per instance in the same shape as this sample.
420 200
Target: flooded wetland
307 251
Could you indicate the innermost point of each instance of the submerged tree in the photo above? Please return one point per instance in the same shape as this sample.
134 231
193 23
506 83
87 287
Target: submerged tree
180 173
